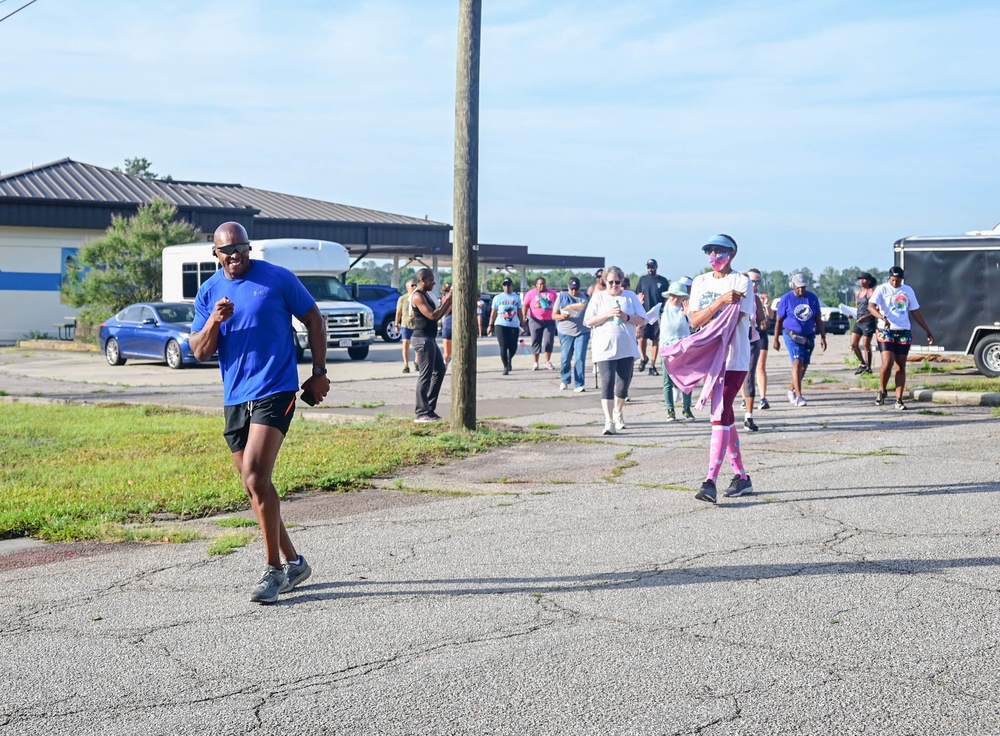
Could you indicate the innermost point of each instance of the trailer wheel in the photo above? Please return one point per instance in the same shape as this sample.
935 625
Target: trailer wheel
988 356
358 353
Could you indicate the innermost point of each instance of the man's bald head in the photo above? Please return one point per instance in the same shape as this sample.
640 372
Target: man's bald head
230 233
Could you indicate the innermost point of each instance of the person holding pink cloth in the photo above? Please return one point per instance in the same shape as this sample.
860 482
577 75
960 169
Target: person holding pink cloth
538 306
721 304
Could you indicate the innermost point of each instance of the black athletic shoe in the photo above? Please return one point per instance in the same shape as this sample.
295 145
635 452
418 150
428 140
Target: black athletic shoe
642 364
739 487
880 398
707 492
653 371
764 404
900 406
750 425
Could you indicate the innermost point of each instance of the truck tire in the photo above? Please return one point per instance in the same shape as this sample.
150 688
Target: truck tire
388 331
988 356
358 353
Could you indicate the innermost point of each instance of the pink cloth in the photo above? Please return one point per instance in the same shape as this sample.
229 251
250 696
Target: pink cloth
702 355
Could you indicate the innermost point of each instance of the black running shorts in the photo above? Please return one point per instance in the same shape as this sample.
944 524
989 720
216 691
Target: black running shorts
272 411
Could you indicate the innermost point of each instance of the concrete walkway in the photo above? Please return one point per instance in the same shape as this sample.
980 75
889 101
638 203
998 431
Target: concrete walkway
574 586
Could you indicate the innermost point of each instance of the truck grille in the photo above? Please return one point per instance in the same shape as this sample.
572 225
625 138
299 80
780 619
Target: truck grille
342 322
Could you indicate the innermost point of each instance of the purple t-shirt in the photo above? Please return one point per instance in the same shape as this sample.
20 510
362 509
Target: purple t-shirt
799 313
256 345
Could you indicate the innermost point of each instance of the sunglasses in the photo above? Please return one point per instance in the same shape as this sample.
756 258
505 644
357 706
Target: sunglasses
228 250
613 283
754 281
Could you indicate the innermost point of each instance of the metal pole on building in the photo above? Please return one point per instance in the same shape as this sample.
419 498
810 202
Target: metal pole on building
466 235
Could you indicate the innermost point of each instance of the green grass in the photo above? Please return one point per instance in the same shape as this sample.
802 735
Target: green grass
229 543
69 471
996 411
235 522
544 425
980 384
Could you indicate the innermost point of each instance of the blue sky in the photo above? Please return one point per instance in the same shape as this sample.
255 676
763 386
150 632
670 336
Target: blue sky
816 133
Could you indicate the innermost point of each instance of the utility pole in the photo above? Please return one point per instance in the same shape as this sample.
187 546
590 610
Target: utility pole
465 266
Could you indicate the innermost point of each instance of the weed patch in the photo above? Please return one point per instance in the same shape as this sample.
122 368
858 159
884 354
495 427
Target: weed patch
229 543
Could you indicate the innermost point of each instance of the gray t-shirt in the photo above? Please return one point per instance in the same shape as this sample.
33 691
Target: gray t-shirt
573 325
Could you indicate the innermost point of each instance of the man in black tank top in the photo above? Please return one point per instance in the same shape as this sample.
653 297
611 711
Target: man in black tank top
426 314
864 325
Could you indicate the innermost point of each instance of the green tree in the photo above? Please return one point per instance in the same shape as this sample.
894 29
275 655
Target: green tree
140 167
125 265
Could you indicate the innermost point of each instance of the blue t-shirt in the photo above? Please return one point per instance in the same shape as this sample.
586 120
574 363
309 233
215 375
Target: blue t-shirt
508 308
256 347
799 313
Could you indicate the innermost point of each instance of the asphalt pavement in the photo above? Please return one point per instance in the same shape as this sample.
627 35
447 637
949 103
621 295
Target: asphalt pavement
572 586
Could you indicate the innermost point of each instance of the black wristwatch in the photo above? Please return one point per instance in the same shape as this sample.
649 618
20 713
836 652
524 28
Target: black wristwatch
319 370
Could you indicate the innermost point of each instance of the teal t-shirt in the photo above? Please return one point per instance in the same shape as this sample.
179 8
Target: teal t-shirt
508 308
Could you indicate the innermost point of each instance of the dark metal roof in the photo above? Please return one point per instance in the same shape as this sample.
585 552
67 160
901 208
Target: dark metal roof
275 205
72 181
71 194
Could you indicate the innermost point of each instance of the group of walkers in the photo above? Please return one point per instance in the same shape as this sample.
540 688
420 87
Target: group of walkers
244 309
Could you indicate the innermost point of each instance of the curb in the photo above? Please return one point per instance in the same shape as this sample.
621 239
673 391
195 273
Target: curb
72 346
962 398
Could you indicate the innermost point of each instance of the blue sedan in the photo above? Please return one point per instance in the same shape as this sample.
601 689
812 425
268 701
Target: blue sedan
151 331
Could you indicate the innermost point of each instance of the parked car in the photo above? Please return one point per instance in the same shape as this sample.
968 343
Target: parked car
837 323
150 331
382 301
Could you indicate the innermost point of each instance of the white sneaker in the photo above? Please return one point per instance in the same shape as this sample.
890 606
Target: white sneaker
535 367
579 390
563 386
608 428
800 401
791 396
619 421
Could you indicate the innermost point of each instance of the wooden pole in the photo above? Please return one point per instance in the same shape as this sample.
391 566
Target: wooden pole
465 287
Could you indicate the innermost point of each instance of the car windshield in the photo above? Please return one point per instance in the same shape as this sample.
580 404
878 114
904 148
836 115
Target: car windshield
176 313
325 288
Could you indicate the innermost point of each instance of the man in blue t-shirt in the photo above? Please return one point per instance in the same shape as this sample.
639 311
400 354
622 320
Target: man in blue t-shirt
244 312
798 318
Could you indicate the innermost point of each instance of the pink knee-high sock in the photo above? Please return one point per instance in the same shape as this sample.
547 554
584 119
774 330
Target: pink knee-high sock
735 456
717 451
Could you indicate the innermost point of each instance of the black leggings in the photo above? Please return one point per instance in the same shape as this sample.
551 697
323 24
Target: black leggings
507 337
615 375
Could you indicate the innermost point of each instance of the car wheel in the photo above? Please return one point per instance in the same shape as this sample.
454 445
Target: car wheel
389 331
113 353
988 356
173 354
358 353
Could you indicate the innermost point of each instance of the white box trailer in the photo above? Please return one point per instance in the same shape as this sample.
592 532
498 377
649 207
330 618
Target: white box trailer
317 263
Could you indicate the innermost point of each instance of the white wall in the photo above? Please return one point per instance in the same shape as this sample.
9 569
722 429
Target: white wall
31 264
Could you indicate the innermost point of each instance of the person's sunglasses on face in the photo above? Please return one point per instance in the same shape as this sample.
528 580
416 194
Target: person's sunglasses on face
228 250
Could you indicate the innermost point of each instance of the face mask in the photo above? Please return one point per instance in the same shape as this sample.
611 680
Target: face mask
718 261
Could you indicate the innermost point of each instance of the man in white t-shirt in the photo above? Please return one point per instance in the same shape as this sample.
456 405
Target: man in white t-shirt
710 293
893 304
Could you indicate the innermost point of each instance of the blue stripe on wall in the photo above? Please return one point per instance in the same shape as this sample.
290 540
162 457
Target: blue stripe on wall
25 281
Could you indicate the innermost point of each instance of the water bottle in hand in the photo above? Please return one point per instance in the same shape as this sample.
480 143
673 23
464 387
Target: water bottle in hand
618 320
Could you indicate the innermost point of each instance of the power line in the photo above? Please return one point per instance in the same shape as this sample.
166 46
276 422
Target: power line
18 10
